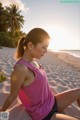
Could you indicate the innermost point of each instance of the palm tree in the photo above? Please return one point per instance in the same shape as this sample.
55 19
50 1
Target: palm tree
15 20
3 21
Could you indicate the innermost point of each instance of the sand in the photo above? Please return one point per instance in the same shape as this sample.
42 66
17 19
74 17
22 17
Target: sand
63 71
70 59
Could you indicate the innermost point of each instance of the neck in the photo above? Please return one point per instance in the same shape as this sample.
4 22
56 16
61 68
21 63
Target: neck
26 56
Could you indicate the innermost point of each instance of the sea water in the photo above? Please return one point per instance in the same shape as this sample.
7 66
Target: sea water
75 53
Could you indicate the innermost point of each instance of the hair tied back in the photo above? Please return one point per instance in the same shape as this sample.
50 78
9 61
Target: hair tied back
23 41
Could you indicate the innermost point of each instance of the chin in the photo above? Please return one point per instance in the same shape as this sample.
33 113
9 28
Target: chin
39 57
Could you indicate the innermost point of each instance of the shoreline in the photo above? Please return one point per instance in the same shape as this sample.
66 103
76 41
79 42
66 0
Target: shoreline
68 58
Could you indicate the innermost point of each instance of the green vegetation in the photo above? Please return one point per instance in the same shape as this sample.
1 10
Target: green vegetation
11 22
2 77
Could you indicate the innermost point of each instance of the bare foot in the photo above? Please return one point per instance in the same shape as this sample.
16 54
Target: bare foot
78 102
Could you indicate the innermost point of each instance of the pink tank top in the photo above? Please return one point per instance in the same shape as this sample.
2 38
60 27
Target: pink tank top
37 97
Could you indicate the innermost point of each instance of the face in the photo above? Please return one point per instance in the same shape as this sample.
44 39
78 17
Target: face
40 49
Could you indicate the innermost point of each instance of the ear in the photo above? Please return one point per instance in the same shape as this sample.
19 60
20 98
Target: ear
30 45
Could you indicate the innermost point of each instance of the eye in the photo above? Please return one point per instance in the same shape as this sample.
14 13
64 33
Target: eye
44 47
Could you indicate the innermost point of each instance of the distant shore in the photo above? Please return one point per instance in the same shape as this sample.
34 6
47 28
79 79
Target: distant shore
72 60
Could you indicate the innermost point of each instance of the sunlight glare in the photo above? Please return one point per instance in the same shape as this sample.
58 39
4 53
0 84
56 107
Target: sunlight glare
60 39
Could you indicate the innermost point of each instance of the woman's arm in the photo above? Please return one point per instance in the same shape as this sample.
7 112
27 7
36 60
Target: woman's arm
7 102
17 78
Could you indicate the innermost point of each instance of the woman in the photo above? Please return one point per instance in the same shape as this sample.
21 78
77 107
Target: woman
29 80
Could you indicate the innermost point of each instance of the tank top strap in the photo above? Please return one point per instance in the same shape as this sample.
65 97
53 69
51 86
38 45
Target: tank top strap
27 64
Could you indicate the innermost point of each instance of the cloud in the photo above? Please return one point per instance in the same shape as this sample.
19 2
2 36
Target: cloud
19 3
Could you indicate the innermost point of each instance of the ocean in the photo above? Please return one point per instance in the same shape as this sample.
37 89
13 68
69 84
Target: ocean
75 53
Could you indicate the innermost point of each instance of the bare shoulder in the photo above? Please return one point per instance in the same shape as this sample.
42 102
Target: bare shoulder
20 71
21 67
18 76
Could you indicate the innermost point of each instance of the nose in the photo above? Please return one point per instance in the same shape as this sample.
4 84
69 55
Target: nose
45 50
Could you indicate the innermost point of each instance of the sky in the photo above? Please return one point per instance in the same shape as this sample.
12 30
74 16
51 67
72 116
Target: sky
60 18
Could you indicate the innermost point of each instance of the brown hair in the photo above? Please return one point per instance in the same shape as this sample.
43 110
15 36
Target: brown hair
35 36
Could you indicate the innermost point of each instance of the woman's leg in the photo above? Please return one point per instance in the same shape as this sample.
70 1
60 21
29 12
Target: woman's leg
64 99
58 116
78 101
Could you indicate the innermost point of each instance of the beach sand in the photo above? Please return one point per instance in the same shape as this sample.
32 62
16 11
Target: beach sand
70 59
63 71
